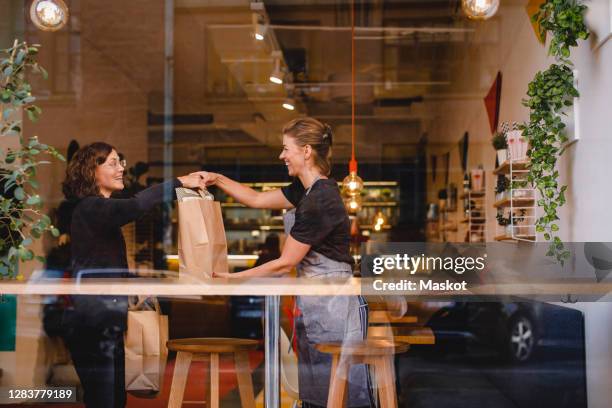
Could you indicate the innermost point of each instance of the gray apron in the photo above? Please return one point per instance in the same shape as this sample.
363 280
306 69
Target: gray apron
325 319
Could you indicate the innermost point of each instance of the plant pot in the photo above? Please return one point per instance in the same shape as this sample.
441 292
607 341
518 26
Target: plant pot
509 230
502 156
517 145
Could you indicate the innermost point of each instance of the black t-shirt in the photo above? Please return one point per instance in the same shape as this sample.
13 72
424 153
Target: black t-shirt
320 218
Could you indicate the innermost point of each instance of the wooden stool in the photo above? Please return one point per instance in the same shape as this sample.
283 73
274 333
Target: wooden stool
378 354
204 349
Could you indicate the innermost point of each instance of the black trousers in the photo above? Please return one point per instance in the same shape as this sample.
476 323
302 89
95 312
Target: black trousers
99 358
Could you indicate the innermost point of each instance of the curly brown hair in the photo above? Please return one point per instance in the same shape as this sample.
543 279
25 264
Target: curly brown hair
80 178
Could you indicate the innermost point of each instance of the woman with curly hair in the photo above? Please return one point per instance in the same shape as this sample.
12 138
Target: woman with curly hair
94 325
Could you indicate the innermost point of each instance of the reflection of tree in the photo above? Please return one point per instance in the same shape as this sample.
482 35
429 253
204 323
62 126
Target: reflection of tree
58 258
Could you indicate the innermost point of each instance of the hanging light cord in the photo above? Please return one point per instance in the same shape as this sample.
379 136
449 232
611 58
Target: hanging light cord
353 162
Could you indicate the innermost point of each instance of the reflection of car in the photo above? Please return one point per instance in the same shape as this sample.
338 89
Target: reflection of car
515 329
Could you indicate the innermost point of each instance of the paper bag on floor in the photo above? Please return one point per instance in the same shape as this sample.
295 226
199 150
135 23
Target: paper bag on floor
202 246
145 350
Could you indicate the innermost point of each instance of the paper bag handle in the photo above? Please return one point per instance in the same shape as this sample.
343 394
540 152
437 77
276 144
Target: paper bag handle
141 301
205 194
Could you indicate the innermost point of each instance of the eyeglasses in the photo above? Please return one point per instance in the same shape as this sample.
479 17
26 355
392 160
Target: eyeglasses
116 163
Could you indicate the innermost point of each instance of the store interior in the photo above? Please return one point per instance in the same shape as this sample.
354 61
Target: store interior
186 85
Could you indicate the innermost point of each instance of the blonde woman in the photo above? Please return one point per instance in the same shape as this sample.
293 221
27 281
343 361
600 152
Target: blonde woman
317 244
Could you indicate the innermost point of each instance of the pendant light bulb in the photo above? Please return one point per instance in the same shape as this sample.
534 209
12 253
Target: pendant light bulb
352 184
379 220
353 203
480 9
49 15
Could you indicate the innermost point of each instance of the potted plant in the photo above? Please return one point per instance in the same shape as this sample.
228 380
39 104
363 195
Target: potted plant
500 144
21 212
503 183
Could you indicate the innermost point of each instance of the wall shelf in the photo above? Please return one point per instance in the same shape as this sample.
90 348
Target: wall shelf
517 237
516 202
519 207
512 165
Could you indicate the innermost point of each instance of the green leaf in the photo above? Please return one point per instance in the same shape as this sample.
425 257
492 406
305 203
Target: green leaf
19 194
33 200
55 232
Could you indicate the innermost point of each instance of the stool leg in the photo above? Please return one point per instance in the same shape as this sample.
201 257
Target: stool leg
214 381
179 379
338 383
245 382
386 382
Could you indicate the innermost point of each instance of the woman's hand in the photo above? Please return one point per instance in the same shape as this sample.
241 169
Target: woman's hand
192 180
209 179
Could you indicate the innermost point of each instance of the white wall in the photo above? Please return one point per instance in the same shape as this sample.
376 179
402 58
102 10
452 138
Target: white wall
585 167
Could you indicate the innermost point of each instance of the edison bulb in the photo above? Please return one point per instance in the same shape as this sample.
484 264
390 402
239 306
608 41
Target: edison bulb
353 203
49 15
379 219
352 184
480 9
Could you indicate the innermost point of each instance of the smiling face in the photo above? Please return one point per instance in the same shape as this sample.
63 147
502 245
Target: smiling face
294 156
109 175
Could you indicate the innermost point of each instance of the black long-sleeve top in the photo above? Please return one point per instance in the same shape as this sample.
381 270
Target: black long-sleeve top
97 240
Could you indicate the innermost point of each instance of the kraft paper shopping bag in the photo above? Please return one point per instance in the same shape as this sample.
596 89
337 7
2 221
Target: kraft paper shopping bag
202 246
146 353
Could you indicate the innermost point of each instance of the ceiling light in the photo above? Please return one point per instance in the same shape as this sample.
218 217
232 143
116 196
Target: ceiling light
289 104
49 15
480 9
260 32
277 75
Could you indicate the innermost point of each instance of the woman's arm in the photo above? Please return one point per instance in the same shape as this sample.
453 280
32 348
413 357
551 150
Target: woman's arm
274 199
112 212
293 252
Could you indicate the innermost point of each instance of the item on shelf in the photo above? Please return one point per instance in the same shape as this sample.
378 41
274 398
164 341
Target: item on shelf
466 192
442 196
432 212
501 188
517 145
500 144
503 183
477 176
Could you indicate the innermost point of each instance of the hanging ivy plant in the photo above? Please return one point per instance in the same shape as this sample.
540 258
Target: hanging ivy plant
21 217
550 94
